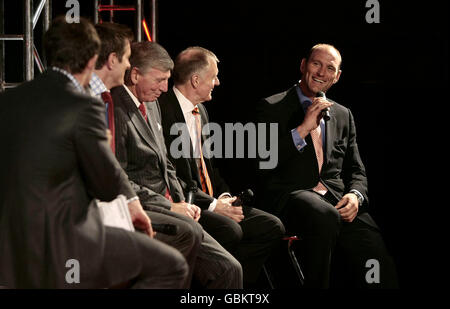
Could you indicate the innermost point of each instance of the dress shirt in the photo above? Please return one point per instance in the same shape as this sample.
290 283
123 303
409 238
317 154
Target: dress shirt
97 87
187 107
72 79
135 100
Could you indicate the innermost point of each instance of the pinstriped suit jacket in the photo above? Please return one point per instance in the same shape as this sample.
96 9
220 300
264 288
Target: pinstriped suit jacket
141 151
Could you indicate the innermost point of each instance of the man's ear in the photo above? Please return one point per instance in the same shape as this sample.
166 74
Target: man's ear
303 65
112 58
134 75
336 79
195 80
91 63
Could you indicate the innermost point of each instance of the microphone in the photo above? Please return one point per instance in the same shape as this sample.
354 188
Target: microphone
192 190
244 198
326 111
168 229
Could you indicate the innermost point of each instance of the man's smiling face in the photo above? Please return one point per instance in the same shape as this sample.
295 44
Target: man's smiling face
320 71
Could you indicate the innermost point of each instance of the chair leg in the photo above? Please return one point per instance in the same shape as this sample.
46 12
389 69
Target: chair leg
266 273
294 260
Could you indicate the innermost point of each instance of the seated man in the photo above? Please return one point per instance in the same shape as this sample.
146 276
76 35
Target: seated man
58 160
141 152
248 233
319 187
109 72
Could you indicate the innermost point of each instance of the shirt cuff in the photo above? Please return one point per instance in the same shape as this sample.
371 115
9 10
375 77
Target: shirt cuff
357 193
299 142
132 199
212 206
224 194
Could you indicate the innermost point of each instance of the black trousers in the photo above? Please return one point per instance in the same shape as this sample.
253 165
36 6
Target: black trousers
251 241
354 250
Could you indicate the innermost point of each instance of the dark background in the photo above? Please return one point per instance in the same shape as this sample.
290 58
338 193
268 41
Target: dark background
394 76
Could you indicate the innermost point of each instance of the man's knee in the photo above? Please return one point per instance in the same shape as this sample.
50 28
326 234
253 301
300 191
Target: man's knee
313 213
179 265
191 232
233 271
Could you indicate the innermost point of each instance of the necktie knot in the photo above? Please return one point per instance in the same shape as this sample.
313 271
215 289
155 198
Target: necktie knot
106 97
195 111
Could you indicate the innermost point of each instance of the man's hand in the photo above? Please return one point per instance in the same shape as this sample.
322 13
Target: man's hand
140 219
348 207
190 210
313 116
224 207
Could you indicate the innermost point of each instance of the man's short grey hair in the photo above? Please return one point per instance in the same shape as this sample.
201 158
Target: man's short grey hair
189 61
146 56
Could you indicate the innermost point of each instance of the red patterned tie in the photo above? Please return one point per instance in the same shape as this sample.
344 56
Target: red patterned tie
143 110
203 171
316 136
107 99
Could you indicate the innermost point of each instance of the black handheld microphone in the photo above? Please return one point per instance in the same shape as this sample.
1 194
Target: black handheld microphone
244 198
325 111
190 196
168 229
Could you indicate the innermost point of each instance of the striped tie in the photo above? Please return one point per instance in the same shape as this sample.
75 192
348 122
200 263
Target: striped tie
204 177
316 136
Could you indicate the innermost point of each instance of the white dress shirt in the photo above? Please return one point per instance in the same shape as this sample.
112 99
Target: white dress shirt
187 107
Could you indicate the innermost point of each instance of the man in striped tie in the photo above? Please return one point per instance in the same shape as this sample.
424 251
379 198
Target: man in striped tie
250 234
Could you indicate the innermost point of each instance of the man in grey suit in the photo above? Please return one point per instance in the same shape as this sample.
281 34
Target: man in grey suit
141 151
112 63
57 160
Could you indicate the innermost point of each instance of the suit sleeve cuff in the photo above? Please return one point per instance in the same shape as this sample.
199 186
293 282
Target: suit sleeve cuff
298 141
212 206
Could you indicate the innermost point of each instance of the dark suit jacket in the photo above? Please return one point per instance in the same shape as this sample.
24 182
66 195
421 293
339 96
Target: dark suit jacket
342 169
55 160
142 153
186 168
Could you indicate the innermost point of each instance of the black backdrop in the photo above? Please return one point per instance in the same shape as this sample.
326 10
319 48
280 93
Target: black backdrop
391 70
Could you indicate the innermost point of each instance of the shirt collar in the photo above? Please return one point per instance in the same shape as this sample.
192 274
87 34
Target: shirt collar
72 78
304 100
186 106
97 86
135 100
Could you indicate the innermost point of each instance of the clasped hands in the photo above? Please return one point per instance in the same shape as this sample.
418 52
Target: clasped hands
225 207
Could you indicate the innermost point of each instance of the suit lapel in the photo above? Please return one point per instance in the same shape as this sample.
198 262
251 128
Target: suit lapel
138 120
155 126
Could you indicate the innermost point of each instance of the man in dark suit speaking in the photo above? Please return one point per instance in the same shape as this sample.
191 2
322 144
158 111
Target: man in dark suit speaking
56 160
319 187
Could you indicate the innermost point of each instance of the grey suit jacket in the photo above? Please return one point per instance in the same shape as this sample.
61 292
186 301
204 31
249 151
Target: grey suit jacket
142 153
